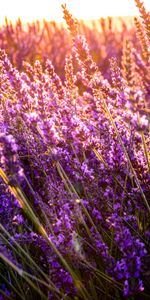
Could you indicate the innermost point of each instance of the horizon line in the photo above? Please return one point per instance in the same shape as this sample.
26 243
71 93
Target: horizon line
41 20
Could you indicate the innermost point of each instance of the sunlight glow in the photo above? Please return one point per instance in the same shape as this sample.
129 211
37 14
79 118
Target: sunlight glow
30 10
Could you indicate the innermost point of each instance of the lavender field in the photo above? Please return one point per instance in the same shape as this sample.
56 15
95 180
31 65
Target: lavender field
75 159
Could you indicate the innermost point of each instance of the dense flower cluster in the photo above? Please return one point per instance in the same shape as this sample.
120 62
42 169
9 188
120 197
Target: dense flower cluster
75 164
42 40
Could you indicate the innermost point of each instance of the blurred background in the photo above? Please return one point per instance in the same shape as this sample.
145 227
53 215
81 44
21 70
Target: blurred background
30 10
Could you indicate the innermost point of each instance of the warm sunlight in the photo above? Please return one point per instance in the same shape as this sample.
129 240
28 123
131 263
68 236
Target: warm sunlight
30 10
74 150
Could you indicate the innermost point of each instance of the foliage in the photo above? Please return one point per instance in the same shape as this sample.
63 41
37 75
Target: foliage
75 161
